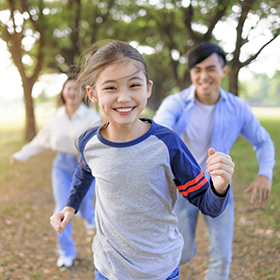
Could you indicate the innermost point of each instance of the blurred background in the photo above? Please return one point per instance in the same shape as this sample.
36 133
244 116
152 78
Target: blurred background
41 39
39 42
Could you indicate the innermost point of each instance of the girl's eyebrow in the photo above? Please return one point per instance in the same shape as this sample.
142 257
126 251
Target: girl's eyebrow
114 81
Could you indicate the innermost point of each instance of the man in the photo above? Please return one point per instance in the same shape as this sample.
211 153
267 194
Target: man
205 115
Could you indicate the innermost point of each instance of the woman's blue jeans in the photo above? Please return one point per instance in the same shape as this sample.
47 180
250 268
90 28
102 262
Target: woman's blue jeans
63 168
220 231
174 275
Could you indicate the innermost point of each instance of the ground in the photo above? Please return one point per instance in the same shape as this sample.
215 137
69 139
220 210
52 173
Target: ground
28 243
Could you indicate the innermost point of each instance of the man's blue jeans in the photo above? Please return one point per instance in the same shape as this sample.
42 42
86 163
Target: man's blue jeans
62 173
220 231
174 275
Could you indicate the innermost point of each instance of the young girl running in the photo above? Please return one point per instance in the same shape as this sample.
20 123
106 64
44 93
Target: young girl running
138 166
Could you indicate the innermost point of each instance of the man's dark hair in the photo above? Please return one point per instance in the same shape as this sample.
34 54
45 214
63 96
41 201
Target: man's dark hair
204 50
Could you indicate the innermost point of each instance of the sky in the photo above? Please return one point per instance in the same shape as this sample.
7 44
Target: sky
266 63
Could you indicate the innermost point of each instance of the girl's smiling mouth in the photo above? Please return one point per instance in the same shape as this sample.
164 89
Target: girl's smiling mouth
124 109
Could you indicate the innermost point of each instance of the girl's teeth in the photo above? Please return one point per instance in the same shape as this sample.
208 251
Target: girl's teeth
124 110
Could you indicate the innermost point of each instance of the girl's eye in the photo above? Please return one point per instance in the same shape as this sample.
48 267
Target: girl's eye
135 85
110 88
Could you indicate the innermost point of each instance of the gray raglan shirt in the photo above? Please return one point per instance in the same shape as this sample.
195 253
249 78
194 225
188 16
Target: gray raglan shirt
136 182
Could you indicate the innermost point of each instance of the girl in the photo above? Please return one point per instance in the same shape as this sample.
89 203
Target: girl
137 165
59 134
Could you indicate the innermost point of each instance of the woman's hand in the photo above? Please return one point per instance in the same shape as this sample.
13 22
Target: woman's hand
12 159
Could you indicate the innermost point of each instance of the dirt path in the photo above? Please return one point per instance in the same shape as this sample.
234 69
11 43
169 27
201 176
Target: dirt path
27 242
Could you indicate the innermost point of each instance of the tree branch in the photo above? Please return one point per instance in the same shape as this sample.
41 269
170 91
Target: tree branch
188 16
249 60
222 7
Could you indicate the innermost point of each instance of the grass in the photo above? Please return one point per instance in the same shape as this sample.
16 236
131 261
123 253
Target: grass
246 169
27 247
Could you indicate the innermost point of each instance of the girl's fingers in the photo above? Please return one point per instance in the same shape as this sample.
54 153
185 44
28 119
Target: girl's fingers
218 157
220 167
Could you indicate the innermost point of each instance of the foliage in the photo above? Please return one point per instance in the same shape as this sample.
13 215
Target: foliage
49 36
261 91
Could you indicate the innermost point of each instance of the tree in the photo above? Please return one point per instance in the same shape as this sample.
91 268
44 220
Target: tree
262 10
22 23
62 30
240 12
181 25
59 31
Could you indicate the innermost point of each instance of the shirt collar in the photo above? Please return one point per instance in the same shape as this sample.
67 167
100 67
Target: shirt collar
80 113
223 94
189 94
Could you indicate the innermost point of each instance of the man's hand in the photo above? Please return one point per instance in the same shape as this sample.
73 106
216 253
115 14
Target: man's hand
221 168
261 187
60 220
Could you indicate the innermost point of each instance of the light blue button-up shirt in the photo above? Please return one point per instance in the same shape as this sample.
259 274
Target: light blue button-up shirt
233 116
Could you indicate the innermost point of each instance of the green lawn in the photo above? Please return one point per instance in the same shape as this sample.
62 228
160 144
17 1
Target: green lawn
246 167
26 203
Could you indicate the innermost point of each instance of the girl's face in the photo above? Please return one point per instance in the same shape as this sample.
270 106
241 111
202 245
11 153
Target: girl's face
70 93
121 91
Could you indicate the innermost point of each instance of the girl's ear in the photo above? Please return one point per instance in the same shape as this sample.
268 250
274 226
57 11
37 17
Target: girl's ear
150 86
92 94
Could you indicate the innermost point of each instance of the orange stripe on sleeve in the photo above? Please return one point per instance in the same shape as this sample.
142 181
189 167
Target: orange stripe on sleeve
194 188
82 164
192 182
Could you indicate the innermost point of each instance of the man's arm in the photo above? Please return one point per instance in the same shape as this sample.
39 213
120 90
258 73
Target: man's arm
261 141
169 111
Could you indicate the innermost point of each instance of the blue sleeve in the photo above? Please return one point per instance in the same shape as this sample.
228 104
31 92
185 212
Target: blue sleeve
82 178
190 179
260 139
170 111
192 183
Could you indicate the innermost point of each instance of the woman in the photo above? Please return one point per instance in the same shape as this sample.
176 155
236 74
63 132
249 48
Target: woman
59 134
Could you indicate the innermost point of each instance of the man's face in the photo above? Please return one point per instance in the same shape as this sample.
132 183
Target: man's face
207 76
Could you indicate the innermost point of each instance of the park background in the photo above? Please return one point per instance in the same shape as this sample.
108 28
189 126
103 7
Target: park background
40 40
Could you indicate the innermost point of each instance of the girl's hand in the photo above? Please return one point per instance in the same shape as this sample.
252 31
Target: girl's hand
221 168
60 220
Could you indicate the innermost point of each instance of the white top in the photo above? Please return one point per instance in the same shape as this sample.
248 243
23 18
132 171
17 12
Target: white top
198 133
59 133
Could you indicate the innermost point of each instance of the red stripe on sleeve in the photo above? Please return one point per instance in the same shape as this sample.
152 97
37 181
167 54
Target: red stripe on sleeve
194 188
82 164
192 182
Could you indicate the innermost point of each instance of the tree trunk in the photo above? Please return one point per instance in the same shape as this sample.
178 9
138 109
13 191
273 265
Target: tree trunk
30 126
233 79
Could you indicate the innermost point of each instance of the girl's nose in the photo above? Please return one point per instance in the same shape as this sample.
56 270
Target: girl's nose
124 96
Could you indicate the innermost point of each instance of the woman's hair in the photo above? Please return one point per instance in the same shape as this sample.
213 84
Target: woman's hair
204 50
101 55
61 101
